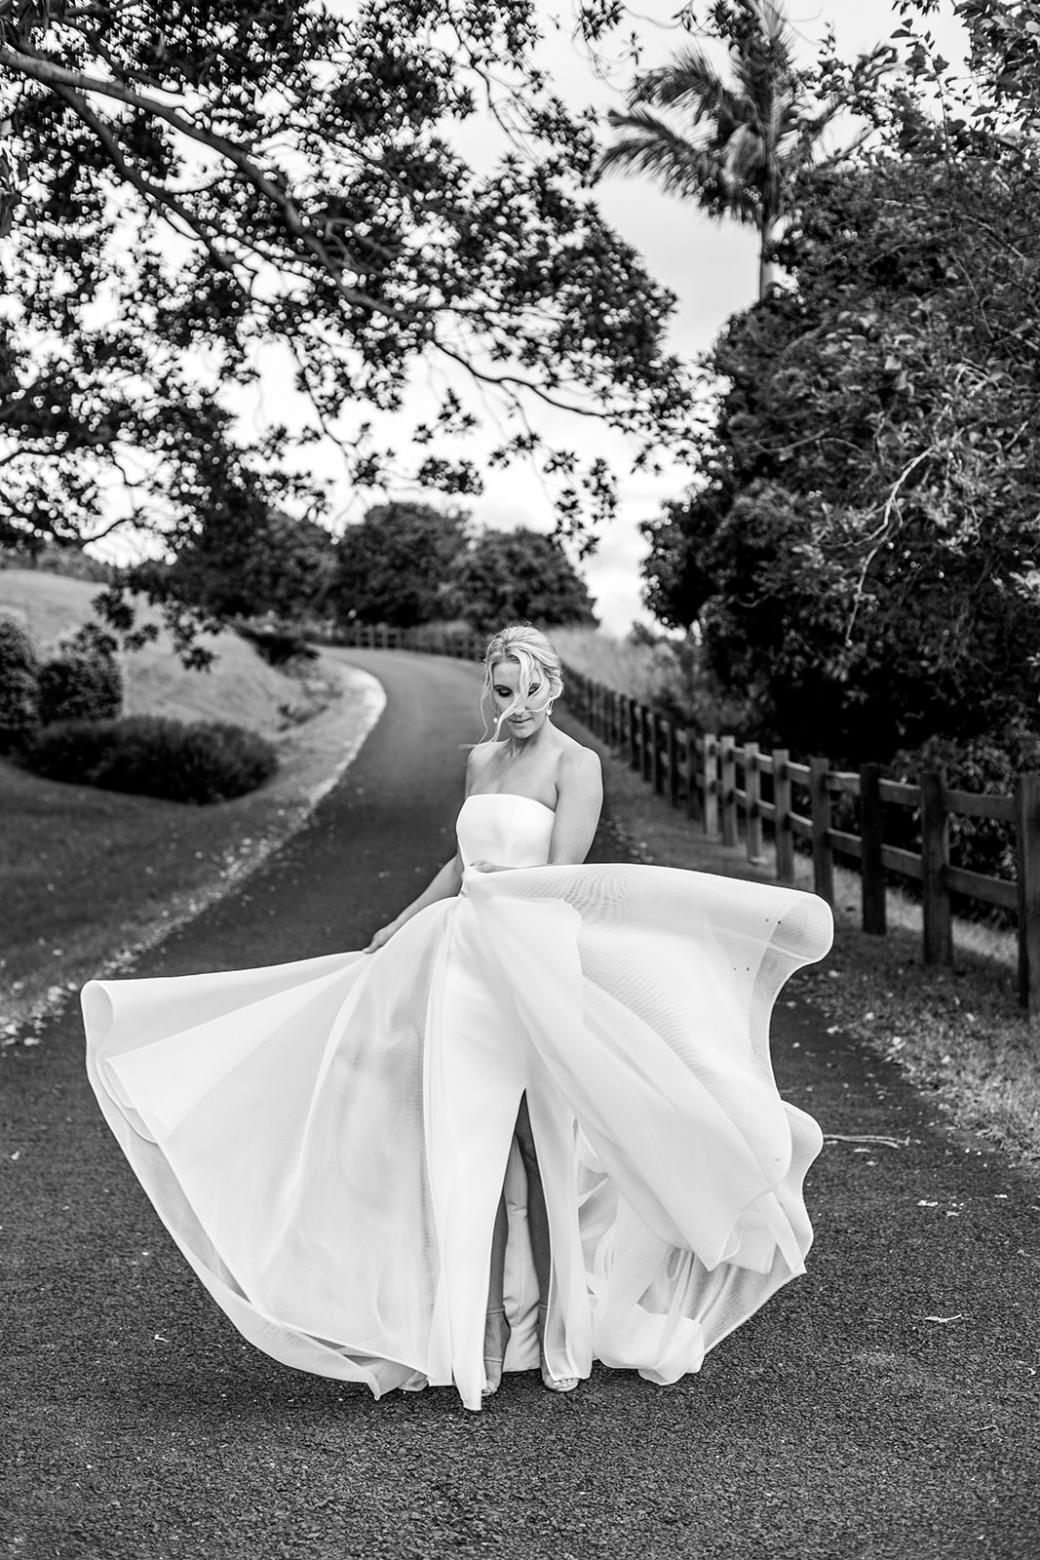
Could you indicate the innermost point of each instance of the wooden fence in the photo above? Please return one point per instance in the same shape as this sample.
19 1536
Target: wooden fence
719 784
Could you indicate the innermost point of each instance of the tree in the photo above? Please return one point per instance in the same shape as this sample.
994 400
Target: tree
868 498
184 184
748 138
397 565
263 563
676 583
521 575
1003 62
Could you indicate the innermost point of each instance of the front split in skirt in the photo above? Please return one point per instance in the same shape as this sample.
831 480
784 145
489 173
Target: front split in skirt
327 1140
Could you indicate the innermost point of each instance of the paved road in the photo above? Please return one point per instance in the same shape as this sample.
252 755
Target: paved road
844 1420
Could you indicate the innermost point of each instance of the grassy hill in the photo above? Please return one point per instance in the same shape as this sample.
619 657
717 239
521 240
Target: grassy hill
90 875
238 687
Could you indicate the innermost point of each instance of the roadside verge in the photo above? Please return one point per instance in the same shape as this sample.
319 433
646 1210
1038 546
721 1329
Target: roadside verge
955 1034
92 878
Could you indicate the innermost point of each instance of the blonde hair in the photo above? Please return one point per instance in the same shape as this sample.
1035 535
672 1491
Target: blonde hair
536 657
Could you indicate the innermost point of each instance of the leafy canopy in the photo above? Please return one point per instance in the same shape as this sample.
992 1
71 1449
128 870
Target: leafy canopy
862 551
398 565
183 185
519 575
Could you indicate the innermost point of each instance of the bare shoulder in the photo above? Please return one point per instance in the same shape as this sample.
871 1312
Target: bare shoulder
578 767
477 760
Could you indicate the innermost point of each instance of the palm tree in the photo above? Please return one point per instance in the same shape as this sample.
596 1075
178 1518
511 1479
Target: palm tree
747 138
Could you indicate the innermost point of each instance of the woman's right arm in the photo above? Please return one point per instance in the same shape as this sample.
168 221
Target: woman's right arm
444 886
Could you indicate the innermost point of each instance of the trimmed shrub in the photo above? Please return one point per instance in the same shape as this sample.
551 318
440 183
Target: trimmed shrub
149 755
77 683
69 750
279 647
19 683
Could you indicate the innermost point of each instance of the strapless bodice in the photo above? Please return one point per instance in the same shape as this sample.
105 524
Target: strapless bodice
510 830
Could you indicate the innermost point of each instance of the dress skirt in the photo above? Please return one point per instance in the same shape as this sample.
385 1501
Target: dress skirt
327 1140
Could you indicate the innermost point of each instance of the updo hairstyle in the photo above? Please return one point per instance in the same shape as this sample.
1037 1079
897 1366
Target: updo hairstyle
536 657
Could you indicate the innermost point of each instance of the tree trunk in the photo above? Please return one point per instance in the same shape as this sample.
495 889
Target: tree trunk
767 272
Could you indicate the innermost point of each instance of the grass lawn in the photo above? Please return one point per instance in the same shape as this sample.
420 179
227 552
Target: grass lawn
956 1032
88 876
87 872
239 686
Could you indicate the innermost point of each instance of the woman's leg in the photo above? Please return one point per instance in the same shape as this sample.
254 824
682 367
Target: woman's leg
496 1328
538 1226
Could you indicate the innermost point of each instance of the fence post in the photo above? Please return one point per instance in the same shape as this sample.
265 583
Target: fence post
646 733
690 750
935 855
820 803
672 757
633 733
727 788
753 792
711 783
656 756
1027 853
615 718
783 838
872 833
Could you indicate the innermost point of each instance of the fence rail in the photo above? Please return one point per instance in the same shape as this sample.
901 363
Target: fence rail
718 783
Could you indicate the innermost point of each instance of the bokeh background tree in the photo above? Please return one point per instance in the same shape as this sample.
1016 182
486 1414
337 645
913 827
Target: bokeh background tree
184 187
398 565
524 575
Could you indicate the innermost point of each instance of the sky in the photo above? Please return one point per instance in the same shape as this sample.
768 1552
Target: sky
711 268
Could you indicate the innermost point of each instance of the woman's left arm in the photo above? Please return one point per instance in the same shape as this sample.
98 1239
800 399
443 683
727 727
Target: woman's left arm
579 798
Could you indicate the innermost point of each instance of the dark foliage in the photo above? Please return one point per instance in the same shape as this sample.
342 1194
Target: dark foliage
280 646
249 560
983 764
521 575
148 755
862 555
80 683
19 683
397 565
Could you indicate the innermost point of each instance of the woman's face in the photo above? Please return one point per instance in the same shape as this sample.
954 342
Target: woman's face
505 685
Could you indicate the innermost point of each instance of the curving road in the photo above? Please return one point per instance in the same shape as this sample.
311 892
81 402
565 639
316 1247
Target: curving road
884 1406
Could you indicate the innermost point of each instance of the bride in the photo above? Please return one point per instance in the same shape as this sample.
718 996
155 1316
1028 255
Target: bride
532 1124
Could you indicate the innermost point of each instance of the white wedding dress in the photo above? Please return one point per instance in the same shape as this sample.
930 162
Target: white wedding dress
326 1140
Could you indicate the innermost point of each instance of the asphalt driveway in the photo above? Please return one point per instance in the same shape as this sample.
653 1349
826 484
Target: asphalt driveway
886 1405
